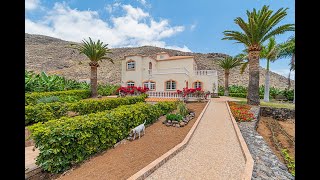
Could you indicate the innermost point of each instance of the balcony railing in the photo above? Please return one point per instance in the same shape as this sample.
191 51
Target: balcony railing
166 94
205 72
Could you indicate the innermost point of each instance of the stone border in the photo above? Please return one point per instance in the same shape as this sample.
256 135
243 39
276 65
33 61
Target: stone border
248 169
32 172
150 168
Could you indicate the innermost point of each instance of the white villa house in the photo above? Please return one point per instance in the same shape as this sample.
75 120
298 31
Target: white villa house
166 74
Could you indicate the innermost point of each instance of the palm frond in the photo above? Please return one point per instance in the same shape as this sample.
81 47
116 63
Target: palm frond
95 51
260 26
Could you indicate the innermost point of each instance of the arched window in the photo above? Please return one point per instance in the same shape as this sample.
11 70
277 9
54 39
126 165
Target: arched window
171 85
150 84
131 65
197 84
130 83
150 65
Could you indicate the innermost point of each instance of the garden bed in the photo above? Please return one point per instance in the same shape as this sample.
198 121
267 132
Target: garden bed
130 156
279 135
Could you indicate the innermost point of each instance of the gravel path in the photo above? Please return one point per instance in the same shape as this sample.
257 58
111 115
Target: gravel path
213 151
266 163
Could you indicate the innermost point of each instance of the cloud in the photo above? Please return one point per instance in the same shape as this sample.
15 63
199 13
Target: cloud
284 72
144 3
110 8
134 28
31 4
193 26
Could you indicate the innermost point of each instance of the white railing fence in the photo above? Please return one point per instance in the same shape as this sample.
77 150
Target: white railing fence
205 72
164 94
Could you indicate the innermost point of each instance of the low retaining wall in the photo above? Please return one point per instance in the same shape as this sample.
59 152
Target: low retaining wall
281 114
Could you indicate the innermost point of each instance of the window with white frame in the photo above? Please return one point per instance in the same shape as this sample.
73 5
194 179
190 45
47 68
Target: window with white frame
130 83
131 65
171 85
197 84
150 85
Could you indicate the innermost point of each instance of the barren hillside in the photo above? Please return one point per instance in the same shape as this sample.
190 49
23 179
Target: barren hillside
43 53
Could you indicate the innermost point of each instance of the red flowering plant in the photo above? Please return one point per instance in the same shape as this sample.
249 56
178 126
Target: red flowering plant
131 90
241 112
198 92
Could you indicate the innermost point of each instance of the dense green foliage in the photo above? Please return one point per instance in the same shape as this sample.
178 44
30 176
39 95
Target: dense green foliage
66 141
43 112
289 161
46 83
107 89
64 96
241 91
174 117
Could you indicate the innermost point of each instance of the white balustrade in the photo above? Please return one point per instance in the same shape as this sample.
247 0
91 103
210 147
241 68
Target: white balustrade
205 72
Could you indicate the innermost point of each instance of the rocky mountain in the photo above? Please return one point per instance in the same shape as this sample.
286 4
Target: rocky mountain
52 55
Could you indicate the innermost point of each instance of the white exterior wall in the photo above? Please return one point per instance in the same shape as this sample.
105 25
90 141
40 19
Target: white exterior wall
135 75
179 70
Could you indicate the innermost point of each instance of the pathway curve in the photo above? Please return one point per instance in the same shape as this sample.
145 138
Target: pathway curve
213 152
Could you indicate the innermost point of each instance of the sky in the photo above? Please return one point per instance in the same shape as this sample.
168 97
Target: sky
186 25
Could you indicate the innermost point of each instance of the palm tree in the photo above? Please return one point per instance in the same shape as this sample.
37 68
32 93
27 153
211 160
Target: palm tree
95 51
227 64
288 49
260 27
269 52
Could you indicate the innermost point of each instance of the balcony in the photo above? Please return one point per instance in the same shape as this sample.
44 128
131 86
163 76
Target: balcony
170 71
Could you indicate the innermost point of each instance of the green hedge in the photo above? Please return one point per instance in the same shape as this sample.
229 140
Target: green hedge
43 112
65 142
242 95
31 98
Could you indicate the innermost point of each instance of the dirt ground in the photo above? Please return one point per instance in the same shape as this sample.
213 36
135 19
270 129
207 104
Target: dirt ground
128 158
282 139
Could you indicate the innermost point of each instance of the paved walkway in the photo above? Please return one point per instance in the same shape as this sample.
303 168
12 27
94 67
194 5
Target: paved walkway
213 152
30 156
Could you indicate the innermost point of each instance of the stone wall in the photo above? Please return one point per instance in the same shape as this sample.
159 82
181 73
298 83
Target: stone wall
277 113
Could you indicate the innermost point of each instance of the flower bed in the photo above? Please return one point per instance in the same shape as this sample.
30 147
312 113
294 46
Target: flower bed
241 112
131 90
68 141
195 92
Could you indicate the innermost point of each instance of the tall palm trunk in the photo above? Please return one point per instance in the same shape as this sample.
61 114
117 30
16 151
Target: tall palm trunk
253 89
294 94
289 80
93 79
267 83
226 82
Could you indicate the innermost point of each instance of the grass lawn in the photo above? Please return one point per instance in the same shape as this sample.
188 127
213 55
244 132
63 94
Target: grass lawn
269 104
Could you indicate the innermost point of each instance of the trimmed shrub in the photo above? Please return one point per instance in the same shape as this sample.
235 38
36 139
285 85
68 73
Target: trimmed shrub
43 112
31 98
107 89
48 99
242 95
166 106
67 141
